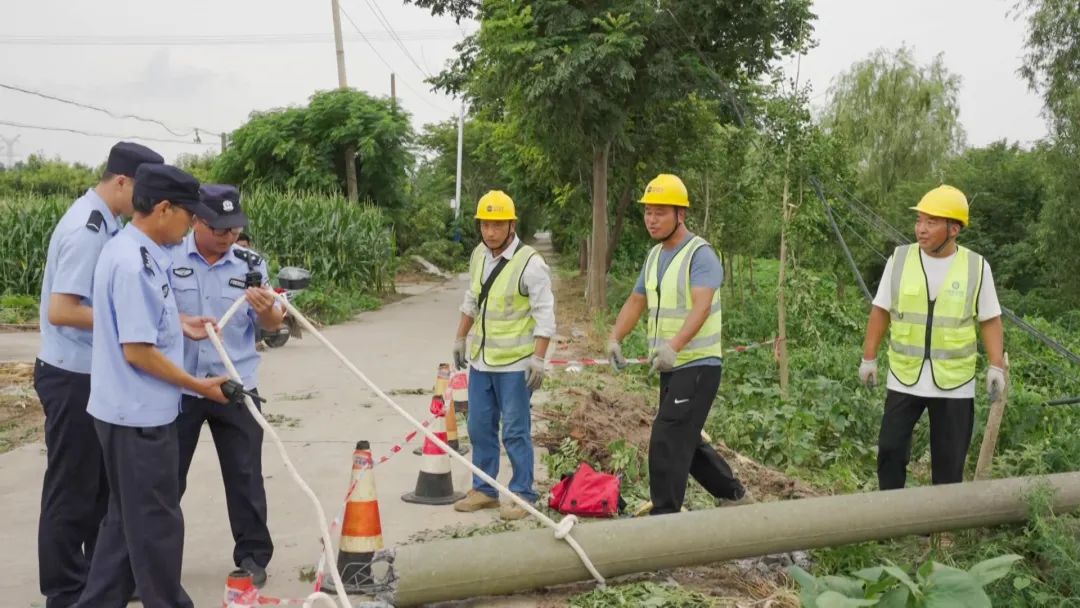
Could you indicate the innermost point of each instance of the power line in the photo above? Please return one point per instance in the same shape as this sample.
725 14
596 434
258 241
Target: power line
385 23
116 115
216 39
419 95
109 135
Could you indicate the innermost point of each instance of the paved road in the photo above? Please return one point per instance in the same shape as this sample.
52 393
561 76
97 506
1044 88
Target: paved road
326 411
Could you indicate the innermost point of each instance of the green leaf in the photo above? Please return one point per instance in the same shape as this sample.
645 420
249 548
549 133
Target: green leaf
844 585
895 598
804 578
1021 582
872 575
832 599
988 571
894 571
950 587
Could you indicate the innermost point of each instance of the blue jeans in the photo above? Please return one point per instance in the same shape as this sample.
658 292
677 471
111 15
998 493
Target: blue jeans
495 395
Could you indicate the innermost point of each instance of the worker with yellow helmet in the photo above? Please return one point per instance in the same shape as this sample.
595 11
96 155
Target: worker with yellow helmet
680 286
509 317
931 297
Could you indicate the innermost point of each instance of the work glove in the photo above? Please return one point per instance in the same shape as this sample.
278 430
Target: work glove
534 375
662 359
868 372
459 354
614 352
995 382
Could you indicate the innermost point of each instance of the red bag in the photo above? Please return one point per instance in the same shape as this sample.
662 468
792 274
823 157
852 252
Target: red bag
587 493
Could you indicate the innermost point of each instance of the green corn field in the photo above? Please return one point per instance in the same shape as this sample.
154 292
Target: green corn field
345 246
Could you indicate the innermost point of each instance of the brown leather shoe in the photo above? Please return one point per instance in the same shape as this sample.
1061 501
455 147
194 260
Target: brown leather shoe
474 501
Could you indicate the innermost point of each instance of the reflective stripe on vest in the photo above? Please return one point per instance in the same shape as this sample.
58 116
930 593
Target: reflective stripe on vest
502 333
670 302
953 341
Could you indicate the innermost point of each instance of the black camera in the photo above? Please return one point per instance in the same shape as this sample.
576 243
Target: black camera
253 279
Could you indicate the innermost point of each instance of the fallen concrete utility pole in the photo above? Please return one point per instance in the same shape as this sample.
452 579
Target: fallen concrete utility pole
533 559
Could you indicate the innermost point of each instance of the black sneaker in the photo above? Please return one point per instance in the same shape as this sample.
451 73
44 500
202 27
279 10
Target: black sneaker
258 573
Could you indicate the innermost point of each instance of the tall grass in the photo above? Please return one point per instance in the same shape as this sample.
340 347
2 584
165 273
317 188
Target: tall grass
26 222
346 246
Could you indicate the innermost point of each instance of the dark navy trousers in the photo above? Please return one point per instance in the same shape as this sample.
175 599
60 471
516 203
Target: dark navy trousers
141 540
238 440
74 492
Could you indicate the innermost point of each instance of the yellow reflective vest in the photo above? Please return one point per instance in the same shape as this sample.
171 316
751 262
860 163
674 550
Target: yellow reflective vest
502 332
942 331
670 303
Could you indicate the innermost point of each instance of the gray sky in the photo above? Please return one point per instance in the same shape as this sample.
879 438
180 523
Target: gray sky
199 82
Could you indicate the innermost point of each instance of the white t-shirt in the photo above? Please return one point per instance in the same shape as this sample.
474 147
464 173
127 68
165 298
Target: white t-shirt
987 308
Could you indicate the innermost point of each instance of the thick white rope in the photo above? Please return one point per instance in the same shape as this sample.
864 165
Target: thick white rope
562 529
328 552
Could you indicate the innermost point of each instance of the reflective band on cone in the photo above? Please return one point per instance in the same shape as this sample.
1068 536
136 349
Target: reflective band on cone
240 590
434 484
361 528
459 391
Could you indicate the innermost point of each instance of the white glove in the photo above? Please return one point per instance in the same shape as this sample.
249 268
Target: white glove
868 372
614 352
534 376
995 382
662 359
459 354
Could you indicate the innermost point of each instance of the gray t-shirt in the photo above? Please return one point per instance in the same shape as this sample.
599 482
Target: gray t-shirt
706 270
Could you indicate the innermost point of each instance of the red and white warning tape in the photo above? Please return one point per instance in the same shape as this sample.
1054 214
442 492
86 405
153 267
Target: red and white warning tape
642 360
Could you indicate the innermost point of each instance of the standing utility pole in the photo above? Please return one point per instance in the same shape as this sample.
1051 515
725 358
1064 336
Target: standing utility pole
350 152
393 89
460 136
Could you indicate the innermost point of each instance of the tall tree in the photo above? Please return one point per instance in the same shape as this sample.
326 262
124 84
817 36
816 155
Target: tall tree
900 119
1052 68
303 147
576 74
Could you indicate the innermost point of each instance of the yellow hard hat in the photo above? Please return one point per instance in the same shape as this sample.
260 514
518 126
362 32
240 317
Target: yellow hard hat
945 201
496 205
666 189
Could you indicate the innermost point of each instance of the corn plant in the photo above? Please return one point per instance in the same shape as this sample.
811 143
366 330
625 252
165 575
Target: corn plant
345 245
26 223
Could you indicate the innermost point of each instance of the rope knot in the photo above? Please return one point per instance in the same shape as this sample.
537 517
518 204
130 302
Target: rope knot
565 526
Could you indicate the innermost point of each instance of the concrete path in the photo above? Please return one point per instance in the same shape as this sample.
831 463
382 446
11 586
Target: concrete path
325 409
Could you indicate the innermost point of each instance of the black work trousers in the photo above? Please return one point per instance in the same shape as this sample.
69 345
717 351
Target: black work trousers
676 449
238 439
74 492
141 540
951 423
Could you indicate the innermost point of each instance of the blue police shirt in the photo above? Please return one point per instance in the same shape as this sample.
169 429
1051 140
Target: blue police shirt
134 304
74 248
209 290
706 270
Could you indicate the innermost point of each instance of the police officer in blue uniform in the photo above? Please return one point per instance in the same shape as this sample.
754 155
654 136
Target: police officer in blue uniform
74 493
209 273
136 377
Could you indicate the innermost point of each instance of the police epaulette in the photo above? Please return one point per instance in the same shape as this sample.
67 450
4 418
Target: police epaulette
146 261
96 221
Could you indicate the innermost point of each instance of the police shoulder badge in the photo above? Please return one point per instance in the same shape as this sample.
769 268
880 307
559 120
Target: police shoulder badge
147 262
96 221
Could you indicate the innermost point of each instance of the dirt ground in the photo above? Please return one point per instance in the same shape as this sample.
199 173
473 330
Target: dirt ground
21 418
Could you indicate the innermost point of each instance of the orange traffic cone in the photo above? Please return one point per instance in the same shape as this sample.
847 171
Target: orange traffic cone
459 388
434 485
361 530
438 403
240 590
